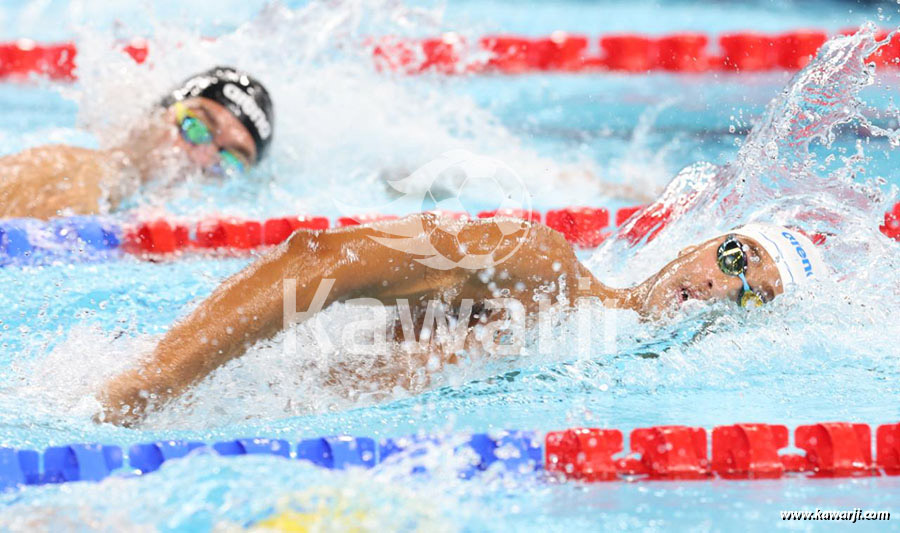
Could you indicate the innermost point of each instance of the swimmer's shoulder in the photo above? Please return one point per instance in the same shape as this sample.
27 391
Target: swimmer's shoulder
53 151
53 159
44 181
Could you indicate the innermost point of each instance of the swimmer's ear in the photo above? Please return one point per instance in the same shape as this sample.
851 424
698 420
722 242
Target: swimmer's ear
688 250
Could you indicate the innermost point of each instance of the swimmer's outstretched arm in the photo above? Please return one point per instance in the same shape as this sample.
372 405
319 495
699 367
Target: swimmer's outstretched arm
249 306
47 181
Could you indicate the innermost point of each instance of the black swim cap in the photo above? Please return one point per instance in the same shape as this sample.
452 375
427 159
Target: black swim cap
242 95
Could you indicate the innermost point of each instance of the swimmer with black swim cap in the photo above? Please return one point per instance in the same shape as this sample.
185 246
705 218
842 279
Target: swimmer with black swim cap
216 111
750 266
221 119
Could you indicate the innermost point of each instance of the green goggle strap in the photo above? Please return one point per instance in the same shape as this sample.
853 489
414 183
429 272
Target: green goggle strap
196 132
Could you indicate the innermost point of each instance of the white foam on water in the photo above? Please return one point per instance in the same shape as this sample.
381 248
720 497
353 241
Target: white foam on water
342 127
777 178
213 493
324 88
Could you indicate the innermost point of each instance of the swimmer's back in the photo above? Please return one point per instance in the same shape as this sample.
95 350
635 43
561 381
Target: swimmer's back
48 181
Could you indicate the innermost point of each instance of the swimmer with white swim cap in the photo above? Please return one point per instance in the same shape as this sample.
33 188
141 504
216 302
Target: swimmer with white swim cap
219 121
750 265
759 261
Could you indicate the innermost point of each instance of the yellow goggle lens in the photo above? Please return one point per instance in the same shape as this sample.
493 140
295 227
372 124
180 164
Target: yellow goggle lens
751 300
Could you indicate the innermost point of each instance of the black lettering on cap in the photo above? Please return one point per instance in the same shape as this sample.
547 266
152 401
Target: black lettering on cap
242 95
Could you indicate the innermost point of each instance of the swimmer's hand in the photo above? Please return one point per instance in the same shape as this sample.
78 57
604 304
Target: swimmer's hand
124 400
247 307
314 269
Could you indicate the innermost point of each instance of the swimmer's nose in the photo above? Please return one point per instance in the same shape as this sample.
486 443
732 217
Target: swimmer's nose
708 290
725 289
204 155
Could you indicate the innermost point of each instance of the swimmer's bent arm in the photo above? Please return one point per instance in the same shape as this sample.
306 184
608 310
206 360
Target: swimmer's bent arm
246 307
46 181
249 306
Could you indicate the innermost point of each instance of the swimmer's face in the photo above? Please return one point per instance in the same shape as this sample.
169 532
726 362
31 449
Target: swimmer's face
695 275
227 134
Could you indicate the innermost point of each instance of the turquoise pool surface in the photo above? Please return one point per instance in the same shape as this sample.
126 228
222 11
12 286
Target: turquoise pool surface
341 129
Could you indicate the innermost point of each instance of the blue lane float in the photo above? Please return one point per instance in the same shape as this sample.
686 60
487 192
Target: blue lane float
88 233
254 446
18 467
147 458
411 446
31 242
338 453
515 451
520 451
80 462
14 241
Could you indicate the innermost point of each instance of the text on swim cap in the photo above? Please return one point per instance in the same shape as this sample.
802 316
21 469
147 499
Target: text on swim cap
250 108
807 266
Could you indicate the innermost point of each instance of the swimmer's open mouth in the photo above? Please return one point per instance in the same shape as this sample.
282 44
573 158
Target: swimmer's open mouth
684 294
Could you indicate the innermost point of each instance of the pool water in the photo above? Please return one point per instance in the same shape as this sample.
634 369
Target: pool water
341 128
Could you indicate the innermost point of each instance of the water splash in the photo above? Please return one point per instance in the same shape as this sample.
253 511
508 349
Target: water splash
212 493
341 126
645 171
821 334
776 176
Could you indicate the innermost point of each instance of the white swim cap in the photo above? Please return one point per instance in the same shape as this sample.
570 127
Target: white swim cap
796 256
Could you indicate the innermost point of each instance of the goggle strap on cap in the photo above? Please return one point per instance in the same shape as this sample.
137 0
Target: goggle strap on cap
242 95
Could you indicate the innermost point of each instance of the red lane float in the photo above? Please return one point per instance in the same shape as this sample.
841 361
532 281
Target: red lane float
739 451
393 54
357 220
625 52
667 452
451 53
442 54
155 237
629 53
583 453
648 223
232 234
562 51
277 230
748 450
685 52
585 227
747 52
510 55
625 213
529 215
25 57
797 48
582 226
889 54
137 49
891 226
888 448
160 237
836 448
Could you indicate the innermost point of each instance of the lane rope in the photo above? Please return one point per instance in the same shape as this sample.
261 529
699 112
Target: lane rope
659 453
451 53
91 238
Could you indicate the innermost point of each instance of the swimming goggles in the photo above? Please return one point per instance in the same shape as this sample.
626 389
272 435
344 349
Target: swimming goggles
196 132
732 261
